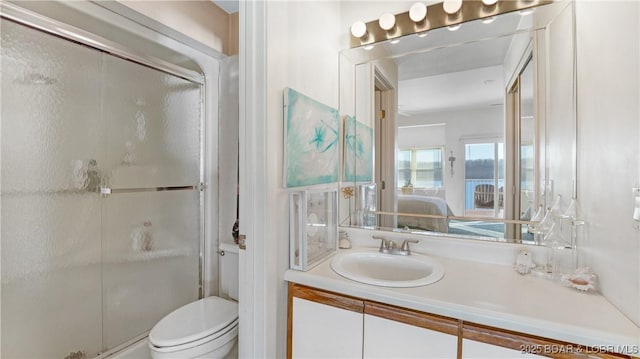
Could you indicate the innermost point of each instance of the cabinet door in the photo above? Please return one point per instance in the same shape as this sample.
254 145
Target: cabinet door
479 350
322 331
392 332
384 338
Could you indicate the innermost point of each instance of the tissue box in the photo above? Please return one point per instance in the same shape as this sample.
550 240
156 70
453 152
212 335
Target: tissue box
313 227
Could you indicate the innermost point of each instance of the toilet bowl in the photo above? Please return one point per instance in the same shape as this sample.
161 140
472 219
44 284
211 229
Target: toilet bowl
207 328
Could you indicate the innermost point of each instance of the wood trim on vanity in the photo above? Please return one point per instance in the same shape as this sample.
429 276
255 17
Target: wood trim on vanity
459 340
531 344
328 298
413 317
290 321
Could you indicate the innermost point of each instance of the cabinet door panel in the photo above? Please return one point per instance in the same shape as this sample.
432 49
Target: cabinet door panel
322 331
384 338
479 350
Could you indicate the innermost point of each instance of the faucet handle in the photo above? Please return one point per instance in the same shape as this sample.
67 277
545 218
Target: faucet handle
384 243
405 245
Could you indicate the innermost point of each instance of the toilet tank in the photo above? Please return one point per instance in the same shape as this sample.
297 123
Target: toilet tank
229 274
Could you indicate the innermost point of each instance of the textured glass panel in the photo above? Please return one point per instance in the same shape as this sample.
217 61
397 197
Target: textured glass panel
153 126
51 277
51 125
151 267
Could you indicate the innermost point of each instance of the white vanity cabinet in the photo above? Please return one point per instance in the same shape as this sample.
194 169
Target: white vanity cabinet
324 324
328 325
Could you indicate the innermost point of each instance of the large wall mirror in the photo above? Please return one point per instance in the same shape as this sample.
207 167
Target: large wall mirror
473 129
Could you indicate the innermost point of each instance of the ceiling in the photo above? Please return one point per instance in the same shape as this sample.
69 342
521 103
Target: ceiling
468 89
449 70
460 77
230 6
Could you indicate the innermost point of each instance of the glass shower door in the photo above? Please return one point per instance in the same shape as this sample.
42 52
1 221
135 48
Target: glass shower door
51 130
101 203
152 224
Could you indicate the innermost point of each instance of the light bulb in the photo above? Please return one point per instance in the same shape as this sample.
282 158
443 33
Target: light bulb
418 12
394 41
358 29
423 34
369 47
489 2
387 21
452 6
453 27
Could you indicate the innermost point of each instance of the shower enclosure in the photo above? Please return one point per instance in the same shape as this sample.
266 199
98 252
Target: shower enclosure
102 194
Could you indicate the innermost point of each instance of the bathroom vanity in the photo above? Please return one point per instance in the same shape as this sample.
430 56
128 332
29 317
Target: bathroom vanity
477 310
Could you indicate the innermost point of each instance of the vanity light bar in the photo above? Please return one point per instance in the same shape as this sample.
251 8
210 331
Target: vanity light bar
436 17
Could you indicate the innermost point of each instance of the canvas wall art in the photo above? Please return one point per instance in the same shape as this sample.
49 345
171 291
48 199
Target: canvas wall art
358 151
312 138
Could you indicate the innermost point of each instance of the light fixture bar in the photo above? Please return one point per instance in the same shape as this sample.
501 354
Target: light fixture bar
436 18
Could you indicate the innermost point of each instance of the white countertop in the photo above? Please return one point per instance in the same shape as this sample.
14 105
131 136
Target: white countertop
496 295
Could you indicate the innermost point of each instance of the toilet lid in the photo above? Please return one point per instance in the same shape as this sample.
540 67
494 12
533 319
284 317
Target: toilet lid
194 321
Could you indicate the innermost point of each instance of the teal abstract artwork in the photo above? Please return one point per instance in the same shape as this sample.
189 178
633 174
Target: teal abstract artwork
312 136
358 151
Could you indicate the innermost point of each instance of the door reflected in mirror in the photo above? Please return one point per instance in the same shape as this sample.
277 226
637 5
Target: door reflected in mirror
464 137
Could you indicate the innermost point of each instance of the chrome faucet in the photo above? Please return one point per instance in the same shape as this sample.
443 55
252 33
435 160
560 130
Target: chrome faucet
390 247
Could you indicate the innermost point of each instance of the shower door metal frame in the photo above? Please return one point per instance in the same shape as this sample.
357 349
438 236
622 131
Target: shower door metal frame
14 13
39 22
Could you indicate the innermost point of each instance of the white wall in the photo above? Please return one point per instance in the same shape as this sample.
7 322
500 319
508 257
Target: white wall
302 53
609 153
424 136
228 151
200 20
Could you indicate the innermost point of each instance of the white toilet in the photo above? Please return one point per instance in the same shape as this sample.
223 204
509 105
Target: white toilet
207 328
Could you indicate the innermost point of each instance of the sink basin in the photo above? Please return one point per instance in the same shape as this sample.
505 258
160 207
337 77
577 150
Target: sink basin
388 270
